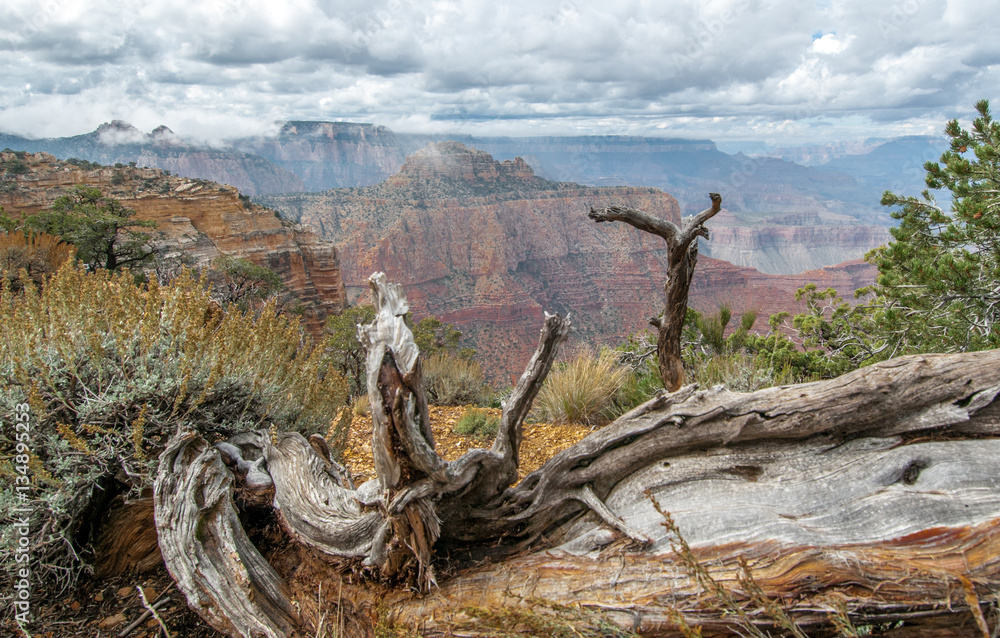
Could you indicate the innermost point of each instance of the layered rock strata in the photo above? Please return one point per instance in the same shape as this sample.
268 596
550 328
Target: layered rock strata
197 221
787 244
488 246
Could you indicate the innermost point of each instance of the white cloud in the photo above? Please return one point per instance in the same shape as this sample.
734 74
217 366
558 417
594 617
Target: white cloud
724 69
830 44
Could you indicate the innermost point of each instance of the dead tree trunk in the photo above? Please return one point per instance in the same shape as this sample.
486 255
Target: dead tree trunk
682 257
871 497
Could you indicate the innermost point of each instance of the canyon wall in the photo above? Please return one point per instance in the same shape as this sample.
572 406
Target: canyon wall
483 244
488 246
788 244
198 220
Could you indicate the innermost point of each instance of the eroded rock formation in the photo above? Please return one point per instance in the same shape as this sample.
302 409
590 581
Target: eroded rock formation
487 245
197 220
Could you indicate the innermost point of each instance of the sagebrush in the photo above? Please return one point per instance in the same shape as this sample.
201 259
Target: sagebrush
453 380
111 370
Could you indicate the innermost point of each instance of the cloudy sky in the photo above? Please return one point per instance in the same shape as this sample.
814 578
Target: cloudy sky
779 71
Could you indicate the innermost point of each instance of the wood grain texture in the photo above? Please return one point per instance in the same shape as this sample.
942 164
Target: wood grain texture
911 577
878 491
204 547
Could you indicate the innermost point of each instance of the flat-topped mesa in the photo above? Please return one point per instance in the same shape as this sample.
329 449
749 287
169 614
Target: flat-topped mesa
340 131
456 163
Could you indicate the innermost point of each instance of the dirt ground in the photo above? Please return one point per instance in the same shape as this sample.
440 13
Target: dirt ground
107 608
541 441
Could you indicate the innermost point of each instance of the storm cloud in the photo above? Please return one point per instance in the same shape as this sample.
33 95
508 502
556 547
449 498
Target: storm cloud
781 71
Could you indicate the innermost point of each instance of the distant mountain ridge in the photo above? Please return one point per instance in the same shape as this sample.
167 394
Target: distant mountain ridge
118 142
316 156
897 165
760 192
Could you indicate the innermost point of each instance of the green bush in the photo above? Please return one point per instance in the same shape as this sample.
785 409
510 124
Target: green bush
642 381
641 384
112 370
741 361
344 348
479 423
240 281
740 372
582 390
451 380
83 164
16 167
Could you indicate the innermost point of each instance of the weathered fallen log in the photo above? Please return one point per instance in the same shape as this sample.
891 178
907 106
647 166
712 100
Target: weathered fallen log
206 550
867 498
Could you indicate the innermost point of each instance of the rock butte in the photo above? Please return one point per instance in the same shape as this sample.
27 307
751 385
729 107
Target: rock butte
488 246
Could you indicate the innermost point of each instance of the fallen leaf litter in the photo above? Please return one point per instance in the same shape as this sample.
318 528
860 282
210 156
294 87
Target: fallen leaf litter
541 441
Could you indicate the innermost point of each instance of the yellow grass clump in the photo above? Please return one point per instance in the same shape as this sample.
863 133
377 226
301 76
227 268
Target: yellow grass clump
582 390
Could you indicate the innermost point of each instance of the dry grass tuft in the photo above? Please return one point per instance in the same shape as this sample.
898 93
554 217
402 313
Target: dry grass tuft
451 380
361 406
582 390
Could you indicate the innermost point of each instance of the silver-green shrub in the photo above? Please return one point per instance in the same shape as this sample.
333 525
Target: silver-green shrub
111 370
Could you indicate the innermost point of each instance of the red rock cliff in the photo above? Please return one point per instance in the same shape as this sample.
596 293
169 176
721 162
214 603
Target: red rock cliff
488 246
199 219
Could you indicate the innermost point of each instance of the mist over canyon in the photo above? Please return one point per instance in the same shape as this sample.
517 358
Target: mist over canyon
489 245
490 241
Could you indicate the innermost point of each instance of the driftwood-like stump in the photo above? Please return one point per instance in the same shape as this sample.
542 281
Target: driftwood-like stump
876 493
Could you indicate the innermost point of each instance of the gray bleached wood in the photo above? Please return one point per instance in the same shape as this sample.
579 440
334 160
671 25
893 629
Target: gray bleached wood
884 479
206 550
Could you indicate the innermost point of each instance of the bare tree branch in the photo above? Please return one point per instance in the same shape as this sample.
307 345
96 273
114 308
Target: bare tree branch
643 221
693 227
515 409
682 256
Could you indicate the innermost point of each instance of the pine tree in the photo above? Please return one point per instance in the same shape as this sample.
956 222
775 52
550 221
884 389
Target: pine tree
103 229
938 287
